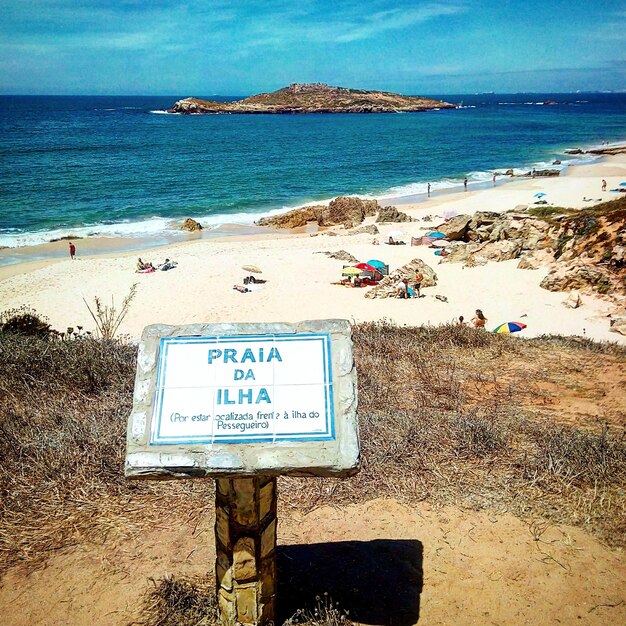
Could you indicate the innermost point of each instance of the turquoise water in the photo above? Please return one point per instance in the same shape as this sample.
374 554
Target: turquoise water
114 166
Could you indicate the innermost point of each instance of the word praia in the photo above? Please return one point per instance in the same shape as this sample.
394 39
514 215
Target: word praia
249 355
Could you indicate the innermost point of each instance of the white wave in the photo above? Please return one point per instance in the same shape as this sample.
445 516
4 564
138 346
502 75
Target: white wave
143 228
162 112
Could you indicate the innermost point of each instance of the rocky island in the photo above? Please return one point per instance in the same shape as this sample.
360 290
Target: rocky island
314 98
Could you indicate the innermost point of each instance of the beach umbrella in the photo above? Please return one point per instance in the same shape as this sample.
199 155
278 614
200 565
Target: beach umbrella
440 243
509 327
350 271
395 233
539 195
376 263
366 267
623 184
251 268
436 235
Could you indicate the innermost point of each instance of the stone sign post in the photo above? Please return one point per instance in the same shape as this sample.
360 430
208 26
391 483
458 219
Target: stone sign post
244 403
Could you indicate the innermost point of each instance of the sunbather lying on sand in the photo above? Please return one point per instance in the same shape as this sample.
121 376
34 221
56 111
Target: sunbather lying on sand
167 265
240 288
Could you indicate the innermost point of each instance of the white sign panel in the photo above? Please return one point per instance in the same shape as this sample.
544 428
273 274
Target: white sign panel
243 389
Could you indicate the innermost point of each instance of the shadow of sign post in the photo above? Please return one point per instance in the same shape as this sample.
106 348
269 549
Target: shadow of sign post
243 404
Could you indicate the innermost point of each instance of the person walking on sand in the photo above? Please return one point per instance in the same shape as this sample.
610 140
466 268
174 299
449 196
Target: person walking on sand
429 190
465 183
494 180
72 251
479 320
603 185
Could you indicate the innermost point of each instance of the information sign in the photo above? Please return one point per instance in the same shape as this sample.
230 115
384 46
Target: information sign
243 389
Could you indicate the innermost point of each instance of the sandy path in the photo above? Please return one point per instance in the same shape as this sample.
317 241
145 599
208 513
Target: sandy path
385 562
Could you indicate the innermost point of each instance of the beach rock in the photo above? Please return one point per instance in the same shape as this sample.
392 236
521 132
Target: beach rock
494 251
574 151
557 162
191 225
509 172
340 255
546 173
458 252
573 300
442 298
427 218
456 228
292 219
618 325
391 214
483 218
370 229
535 259
386 287
575 276
349 212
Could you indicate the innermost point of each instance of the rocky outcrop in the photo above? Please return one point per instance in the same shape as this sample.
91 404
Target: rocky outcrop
191 225
293 219
456 228
314 98
370 229
386 288
340 255
346 211
578 275
343 211
391 214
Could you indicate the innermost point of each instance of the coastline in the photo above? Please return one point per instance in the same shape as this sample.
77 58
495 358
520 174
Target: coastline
299 276
166 233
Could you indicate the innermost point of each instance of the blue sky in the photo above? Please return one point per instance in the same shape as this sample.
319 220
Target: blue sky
202 47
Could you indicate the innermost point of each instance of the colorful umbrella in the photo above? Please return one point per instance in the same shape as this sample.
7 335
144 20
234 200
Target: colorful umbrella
366 267
623 184
509 327
376 263
539 195
350 271
436 235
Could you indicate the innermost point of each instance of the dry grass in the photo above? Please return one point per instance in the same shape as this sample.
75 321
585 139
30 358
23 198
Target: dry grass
445 416
448 422
63 412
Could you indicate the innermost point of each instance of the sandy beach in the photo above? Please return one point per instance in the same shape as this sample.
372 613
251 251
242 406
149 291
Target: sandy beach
299 277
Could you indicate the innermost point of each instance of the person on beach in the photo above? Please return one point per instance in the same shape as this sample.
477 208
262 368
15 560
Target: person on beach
429 190
72 251
465 183
462 321
479 320
401 288
419 277
603 185
494 180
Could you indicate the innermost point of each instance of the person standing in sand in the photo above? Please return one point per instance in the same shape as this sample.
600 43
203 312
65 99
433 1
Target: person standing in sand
72 251
603 185
429 190
419 277
494 180
479 320
465 183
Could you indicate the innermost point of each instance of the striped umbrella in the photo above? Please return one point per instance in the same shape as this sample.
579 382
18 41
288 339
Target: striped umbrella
350 271
509 327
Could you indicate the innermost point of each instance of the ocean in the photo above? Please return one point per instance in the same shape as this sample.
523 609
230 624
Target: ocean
119 166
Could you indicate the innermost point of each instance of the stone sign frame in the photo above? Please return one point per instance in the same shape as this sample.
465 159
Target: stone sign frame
337 455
